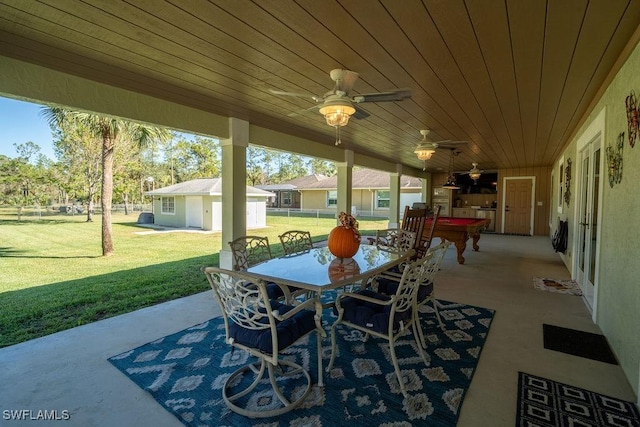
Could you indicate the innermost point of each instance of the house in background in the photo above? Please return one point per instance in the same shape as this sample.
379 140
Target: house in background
370 193
198 204
286 194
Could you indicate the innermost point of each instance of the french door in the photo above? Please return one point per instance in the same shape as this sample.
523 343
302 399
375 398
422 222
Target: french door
589 190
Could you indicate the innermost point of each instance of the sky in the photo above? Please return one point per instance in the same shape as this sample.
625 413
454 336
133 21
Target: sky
22 122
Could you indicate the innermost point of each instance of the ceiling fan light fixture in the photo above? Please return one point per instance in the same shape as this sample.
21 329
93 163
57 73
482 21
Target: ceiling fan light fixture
337 112
475 173
424 151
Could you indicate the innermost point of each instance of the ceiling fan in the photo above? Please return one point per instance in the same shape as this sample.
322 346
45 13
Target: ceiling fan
474 173
427 147
337 106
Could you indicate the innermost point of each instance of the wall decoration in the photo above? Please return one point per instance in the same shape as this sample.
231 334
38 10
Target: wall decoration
632 118
567 182
614 161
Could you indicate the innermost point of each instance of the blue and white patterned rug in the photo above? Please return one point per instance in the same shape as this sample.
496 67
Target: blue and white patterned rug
185 371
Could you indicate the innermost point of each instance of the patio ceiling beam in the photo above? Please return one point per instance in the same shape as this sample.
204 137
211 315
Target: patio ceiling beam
42 85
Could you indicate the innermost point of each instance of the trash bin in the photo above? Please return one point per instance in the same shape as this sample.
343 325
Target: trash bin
145 218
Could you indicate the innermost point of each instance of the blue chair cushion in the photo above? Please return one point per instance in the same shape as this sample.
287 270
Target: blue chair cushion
289 330
389 287
370 315
275 292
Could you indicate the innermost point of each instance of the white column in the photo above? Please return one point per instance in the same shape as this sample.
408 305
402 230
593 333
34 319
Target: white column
234 187
426 190
394 197
345 183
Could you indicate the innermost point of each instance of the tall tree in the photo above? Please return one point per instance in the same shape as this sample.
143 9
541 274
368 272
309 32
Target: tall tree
256 173
25 180
322 167
79 152
196 158
111 131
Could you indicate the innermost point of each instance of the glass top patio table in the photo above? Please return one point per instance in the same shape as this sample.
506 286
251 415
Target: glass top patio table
318 269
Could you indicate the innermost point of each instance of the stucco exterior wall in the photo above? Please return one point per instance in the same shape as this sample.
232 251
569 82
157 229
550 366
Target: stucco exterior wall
178 219
212 213
618 291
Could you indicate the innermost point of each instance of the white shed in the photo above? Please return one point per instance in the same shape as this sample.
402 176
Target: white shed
198 204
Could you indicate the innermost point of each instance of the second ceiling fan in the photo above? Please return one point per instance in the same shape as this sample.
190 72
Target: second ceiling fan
337 106
427 146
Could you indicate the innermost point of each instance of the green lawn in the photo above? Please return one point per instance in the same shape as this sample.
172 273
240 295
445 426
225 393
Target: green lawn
54 277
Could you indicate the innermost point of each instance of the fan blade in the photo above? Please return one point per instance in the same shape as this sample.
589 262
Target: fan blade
301 95
396 95
360 113
297 113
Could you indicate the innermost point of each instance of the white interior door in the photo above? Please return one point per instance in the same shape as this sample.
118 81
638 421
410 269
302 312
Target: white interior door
589 190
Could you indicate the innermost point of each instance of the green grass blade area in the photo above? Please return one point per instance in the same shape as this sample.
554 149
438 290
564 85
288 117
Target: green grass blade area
54 277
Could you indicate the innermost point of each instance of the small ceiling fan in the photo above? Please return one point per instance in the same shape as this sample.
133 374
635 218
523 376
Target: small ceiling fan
474 173
337 106
426 147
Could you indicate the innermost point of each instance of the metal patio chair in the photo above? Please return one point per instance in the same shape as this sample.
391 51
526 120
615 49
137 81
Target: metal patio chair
295 241
384 316
264 328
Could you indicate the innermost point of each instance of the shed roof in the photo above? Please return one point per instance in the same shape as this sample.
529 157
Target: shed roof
202 187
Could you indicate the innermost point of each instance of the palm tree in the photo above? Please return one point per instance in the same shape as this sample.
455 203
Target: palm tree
112 131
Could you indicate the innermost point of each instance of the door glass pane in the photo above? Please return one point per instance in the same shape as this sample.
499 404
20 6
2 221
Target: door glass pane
594 215
583 211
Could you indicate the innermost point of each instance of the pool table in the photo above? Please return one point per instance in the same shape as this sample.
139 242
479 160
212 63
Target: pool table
458 231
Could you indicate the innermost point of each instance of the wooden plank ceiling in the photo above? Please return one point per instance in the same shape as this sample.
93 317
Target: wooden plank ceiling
512 77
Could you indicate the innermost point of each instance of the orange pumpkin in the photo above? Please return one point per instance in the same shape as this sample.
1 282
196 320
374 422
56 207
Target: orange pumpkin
342 242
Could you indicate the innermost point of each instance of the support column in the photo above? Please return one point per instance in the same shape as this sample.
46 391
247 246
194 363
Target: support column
345 183
394 197
234 187
426 190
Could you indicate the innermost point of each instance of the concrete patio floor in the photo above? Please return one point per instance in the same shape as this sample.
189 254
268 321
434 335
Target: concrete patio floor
69 371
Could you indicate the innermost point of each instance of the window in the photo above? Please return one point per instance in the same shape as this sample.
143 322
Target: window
168 205
286 198
383 198
332 198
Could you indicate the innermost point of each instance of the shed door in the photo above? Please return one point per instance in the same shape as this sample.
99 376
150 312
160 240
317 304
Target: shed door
194 211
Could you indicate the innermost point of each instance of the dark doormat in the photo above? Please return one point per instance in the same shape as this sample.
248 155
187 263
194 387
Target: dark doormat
579 343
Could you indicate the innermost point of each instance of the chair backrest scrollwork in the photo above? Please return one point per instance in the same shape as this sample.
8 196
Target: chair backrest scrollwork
296 241
249 250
